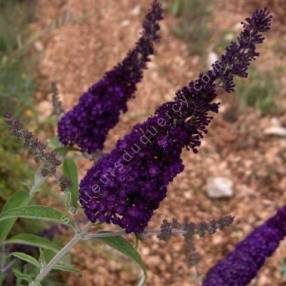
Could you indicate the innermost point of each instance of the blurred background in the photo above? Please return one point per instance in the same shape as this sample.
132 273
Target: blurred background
240 169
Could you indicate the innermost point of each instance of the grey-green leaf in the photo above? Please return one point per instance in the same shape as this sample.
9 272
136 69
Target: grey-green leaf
27 258
70 171
124 246
33 240
36 212
22 276
55 142
66 267
18 199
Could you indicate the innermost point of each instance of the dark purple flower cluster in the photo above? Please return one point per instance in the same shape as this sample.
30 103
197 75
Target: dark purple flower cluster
238 56
126 186
240 266
98 110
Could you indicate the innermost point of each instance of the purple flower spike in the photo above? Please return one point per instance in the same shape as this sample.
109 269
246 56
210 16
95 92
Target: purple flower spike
98 110
240 266
126 186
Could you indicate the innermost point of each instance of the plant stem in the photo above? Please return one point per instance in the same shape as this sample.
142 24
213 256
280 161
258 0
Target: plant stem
59 256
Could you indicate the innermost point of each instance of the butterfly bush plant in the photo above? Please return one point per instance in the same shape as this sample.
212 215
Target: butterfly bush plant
126 186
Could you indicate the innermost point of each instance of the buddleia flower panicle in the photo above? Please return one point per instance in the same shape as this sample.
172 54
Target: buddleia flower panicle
126 186
189 230
98 110
240 266
39 150
49 159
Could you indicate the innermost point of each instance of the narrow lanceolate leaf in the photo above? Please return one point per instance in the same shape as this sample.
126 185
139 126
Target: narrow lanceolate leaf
18 199
66 267
70 171
27 258
124 246
22 276
33 240
37 213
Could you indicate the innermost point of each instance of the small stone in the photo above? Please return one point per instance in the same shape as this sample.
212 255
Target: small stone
188 195
219 187
125 23
145 251
39 46
136 10
276 131
154 260
217 239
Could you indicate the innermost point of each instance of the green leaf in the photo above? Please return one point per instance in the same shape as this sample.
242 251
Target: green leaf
70 171
27 258
33 240
124 246
61 150
22 276
55 142
17 199
37 213
42 258
66 267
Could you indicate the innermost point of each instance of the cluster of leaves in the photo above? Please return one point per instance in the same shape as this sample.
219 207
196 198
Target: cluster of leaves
196 36
28 260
